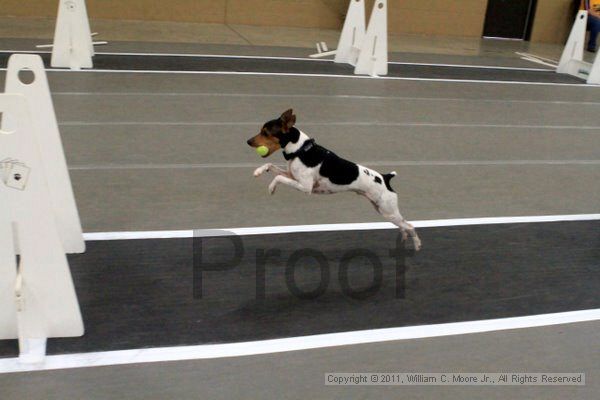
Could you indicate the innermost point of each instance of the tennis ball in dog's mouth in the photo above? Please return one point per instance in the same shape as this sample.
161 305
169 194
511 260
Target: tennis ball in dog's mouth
262 150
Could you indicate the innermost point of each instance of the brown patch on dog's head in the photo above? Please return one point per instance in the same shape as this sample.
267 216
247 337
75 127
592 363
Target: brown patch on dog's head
271 134
288 120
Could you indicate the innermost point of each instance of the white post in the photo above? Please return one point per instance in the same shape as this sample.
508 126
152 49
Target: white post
575 44
571 61
353 33
8 273
373 58
594 77
49 140
574 49
38 297
73 47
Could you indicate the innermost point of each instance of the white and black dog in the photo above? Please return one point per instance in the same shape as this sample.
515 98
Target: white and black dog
314 169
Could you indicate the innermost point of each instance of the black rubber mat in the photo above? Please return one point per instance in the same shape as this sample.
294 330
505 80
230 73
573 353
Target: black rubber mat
308 67
168 292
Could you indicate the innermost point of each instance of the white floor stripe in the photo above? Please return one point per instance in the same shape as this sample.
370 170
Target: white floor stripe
286 74
332 123
235 56
540 62
154 166
201 352
529 55
225 56
473 66
316 96
329 60
270 230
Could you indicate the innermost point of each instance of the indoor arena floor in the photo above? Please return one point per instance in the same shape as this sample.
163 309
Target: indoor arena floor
156 142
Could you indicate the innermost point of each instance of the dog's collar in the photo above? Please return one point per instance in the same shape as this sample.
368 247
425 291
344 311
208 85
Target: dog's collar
309 144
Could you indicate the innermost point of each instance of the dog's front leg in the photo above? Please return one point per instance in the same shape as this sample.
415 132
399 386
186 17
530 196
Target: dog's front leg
270 168
304 186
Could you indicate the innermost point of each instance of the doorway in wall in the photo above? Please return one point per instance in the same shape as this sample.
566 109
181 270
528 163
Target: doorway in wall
509 19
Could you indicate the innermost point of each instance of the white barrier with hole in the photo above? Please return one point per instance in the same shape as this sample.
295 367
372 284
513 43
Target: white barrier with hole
39 222
373 57
572 59
364 48
73 46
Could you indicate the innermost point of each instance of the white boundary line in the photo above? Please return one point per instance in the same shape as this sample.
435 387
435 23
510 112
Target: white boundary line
190 55
331 123
458 163
314 96
203 352
530 55
289 74
271 230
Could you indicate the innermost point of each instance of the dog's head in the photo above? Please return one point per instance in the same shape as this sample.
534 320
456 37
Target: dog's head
272 133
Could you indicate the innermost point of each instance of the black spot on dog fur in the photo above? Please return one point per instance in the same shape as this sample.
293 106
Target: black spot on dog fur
336 169
387 178
285 138
378 180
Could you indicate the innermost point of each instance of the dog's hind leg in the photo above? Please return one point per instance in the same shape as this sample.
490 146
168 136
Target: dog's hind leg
387 206
406 228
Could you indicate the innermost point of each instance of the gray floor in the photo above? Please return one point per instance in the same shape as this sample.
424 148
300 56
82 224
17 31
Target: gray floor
171 155
152 152
301 375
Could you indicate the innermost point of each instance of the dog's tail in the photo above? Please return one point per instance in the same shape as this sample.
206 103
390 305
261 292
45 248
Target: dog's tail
387 178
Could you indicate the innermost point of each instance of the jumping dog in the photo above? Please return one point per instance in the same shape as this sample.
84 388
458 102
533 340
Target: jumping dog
314 169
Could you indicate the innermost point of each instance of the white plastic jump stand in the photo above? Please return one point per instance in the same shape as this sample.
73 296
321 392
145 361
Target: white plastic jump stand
48 138
73 46
39 223
594 77
373 57
571 61
353 34
322 51
351 38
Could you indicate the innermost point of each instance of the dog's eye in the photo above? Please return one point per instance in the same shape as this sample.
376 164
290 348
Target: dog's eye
263 133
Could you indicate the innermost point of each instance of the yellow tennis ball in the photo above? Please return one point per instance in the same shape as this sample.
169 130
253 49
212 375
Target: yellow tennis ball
262 150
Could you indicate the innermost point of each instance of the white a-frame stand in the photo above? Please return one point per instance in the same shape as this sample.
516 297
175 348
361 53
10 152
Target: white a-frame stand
73 46
39 222
572 62
352 35
366 49
373 58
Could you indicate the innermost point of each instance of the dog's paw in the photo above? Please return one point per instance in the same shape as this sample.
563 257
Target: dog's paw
272 188
416 243
404 235
261 170
411 243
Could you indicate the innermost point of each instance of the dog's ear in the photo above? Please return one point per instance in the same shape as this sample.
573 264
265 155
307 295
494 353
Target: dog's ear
288 120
